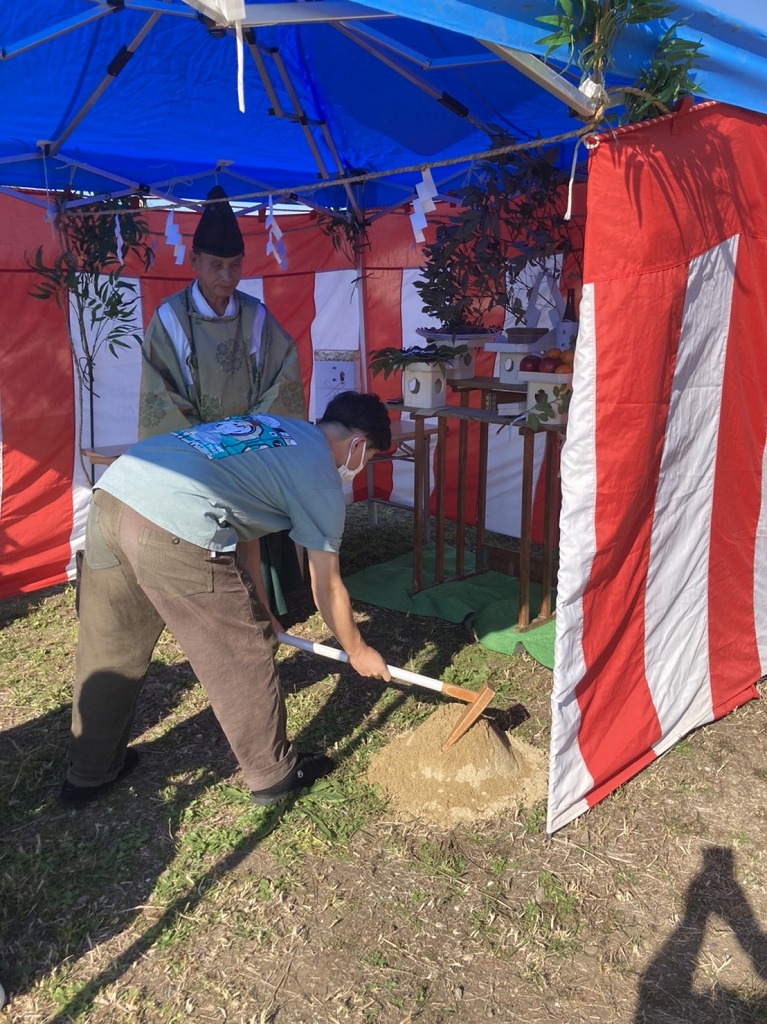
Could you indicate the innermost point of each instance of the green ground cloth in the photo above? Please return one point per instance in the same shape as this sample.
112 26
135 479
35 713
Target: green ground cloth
490 602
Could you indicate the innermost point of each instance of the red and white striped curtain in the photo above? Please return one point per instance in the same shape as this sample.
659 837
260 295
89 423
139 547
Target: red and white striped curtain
662 602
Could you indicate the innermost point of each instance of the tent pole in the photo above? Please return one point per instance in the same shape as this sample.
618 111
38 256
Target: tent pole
59 29
361 278
441 97
119 61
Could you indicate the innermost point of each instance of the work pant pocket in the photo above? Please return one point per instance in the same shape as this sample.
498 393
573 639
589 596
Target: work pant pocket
172 565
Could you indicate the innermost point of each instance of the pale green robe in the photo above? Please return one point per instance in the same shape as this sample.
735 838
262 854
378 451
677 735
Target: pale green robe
220 377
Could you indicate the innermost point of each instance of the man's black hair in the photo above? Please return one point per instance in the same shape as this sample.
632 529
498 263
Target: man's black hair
363 413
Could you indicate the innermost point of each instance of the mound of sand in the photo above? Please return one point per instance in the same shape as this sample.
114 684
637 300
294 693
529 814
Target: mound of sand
487 771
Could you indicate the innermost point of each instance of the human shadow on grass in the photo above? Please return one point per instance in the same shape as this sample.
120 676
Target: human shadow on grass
668 993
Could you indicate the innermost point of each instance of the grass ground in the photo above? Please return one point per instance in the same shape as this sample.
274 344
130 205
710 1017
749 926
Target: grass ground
173 898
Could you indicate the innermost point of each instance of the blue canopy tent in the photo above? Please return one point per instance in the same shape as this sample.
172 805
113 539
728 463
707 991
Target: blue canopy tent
111 96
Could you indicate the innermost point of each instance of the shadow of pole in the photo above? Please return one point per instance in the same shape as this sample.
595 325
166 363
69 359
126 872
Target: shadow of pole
667 993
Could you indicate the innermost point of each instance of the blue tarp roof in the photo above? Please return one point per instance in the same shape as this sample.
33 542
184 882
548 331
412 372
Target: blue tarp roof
120 93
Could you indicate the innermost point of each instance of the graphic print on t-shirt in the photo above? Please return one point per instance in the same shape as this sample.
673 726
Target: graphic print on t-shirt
236 435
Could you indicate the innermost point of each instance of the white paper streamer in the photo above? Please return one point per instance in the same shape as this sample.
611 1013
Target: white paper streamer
119 238
274 244
426 191
240 68
173 237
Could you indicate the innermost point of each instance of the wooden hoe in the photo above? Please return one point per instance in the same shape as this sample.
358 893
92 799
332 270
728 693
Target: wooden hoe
477 700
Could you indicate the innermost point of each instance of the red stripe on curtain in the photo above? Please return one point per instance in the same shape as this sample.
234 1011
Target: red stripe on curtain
38 440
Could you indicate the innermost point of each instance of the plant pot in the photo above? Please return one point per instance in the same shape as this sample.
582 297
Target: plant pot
513 351
525 335
424 385
541 385
473 337
462 367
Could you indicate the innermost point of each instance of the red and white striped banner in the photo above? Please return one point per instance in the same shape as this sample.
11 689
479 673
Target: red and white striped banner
661 610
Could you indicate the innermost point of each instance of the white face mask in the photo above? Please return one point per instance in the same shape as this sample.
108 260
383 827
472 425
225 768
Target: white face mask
345 472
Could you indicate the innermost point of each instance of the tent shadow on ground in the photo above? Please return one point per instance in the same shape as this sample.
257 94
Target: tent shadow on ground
667 990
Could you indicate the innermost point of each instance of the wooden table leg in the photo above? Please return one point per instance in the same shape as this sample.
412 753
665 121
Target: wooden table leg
418 504
439 487
460 526
549 515
372 509
526 530
480 561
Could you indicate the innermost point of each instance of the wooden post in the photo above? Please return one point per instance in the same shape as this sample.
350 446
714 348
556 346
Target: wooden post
526 529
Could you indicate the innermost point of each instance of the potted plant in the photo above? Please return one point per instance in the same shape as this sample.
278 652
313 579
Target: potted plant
549 387
511 221
424 370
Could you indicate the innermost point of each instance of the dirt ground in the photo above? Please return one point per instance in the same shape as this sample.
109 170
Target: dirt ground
174 899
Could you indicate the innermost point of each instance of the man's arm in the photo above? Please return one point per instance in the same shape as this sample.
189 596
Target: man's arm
335 607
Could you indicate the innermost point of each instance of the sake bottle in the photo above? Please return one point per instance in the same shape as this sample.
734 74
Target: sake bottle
567 329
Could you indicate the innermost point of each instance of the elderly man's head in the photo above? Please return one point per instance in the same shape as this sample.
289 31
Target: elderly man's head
218 249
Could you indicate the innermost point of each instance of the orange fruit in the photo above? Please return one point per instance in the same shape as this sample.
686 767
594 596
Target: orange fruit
567 356
552 353
563 368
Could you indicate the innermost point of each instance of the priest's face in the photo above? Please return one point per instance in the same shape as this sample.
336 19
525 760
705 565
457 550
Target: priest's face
217 276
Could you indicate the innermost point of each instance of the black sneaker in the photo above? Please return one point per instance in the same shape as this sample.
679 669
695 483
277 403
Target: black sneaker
308 769
79 796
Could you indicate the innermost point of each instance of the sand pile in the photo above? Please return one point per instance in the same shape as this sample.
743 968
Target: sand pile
484 773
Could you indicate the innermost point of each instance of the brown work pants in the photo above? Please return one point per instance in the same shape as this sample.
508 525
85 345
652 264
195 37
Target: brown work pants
137 577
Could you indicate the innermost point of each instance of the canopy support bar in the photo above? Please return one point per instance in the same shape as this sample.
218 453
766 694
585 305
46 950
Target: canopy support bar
294 13
421 60
57 30
443 98
534 69
299 111
299 115
118 63
303 121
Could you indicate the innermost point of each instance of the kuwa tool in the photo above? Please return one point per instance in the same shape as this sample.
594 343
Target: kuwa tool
470 714
476 699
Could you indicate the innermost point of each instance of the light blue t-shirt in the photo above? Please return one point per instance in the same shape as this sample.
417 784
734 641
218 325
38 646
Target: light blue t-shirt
215 484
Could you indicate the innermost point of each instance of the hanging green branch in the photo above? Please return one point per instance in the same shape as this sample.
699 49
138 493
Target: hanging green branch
84 278
347 231
590 29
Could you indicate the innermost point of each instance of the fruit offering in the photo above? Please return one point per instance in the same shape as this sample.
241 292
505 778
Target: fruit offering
553 360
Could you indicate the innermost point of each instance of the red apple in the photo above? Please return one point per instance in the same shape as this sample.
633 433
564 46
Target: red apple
547 365
529 364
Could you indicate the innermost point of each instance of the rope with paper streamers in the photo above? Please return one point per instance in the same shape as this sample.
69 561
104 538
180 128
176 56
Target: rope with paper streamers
589 131
294 191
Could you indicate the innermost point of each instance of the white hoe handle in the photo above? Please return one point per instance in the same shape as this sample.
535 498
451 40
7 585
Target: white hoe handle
402 674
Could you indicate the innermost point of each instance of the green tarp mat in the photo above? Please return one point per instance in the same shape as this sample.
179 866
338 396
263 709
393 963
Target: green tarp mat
490 602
